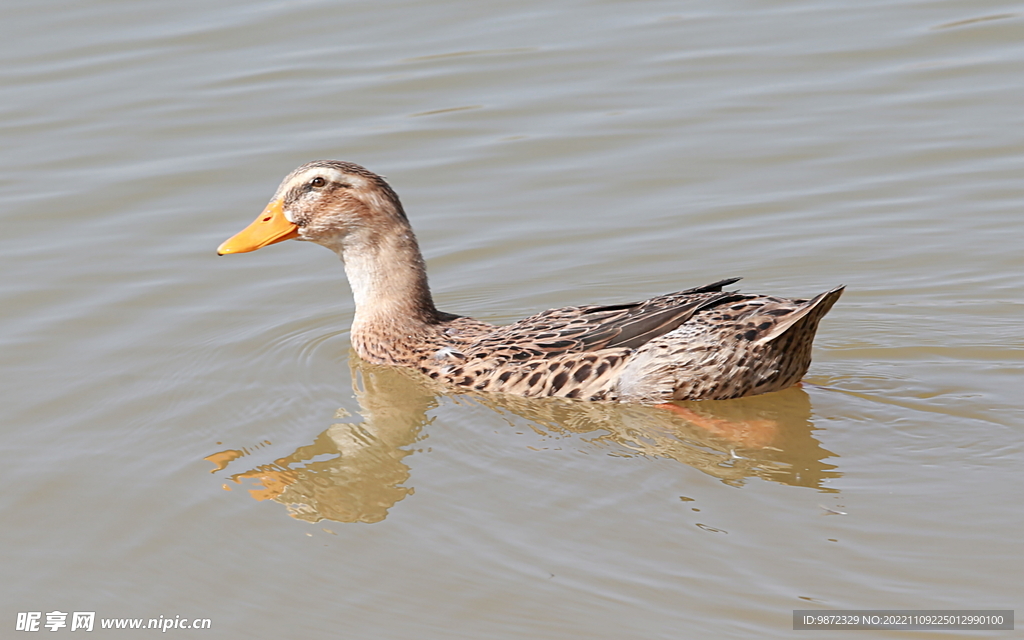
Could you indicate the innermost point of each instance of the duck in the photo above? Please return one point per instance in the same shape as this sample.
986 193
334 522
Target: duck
702 343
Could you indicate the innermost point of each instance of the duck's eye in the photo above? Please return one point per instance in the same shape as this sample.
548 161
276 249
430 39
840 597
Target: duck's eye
317 182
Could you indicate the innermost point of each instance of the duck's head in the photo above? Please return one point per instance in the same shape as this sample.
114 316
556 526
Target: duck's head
333 203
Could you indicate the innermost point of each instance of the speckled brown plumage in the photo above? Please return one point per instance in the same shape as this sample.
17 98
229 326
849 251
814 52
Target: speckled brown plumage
701 343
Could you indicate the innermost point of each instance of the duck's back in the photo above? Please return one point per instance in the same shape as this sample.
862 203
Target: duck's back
750 346
700 343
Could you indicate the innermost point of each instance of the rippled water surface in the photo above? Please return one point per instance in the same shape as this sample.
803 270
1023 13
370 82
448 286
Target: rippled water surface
187 435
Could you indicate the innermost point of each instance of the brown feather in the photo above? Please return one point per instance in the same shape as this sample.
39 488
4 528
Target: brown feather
693 344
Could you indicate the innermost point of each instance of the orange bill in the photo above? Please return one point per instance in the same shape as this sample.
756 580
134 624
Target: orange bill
269 228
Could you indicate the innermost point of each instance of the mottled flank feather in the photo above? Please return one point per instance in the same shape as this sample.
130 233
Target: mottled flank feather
701 343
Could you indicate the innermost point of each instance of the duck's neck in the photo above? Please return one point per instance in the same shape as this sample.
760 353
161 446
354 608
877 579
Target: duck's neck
389 284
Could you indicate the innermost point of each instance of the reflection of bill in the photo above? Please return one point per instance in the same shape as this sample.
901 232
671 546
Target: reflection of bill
352 472
355 472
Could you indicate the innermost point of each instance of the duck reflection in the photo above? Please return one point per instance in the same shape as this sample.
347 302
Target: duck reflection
355 471
767 436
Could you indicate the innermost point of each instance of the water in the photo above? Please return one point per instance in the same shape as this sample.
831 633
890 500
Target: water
182 432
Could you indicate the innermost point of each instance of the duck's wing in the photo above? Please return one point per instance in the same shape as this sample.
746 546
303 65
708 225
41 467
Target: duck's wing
592 328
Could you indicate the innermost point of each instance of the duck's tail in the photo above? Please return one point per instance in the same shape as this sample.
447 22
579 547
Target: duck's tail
805 320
